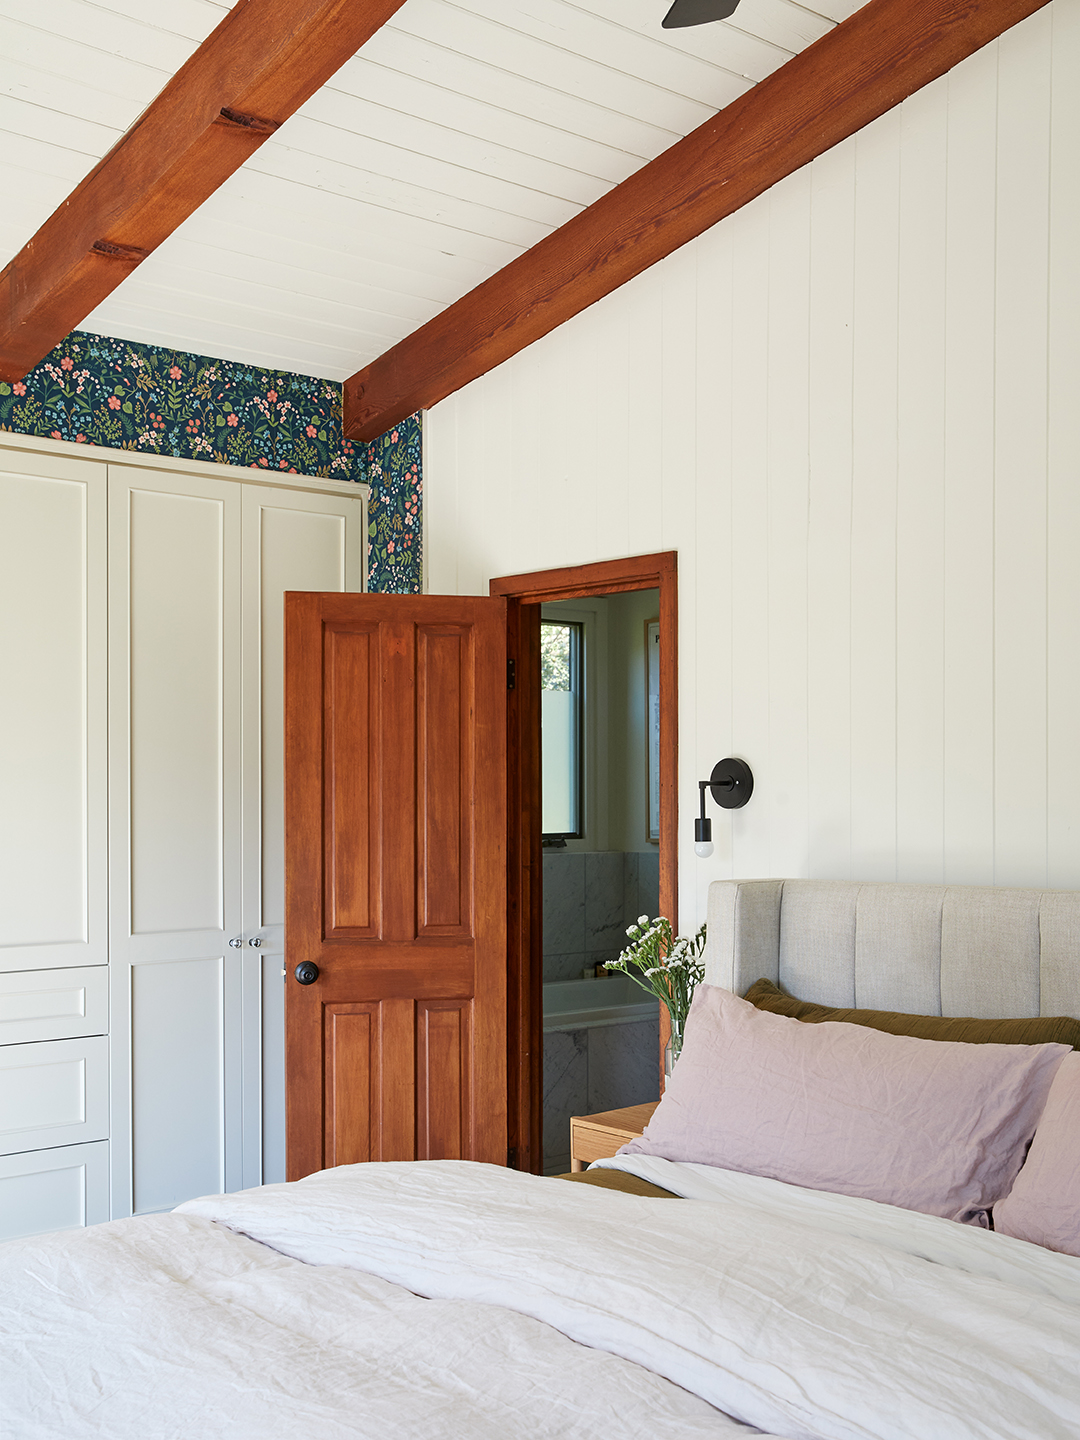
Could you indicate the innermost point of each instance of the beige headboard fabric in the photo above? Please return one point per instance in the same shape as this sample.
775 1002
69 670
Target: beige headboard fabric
923 949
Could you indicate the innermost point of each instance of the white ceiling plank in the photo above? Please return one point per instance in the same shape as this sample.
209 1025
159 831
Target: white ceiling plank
82 105
305 282
35 195
780 23
123 81
524 57
414 138
454 114
327 269
176 329
79 137
328 142
272 203
398 199
838 10
40 157
193 19
483 80
115 38
283 307
694 66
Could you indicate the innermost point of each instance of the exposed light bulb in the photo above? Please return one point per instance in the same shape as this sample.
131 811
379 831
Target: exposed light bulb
703 849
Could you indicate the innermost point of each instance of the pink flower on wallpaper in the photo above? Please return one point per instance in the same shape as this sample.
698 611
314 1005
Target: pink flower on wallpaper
19 388
310 430
80 439
175 372
393 437
56 435
231 418
389 547
271 395
114 402
67 363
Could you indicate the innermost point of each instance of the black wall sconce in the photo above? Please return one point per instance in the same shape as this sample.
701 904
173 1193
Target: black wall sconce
732 784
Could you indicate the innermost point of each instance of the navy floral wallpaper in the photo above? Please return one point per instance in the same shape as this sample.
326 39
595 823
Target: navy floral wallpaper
100 391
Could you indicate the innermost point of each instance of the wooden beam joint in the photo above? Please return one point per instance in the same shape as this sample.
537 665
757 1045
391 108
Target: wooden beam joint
130 254
254 123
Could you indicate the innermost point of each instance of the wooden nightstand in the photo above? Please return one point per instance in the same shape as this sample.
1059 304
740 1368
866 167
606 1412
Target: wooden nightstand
594 1137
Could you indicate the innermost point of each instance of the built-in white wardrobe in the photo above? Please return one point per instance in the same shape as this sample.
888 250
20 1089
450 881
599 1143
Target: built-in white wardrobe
141 826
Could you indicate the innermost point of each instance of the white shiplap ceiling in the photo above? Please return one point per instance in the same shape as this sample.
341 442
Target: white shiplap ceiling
459 136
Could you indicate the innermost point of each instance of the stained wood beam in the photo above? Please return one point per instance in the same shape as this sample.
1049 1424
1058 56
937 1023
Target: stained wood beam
259 66
862 68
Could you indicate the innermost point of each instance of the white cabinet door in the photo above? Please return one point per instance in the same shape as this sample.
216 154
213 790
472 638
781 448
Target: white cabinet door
292 540
175 823
53 883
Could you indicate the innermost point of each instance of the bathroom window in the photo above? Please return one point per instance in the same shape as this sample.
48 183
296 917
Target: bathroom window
562 671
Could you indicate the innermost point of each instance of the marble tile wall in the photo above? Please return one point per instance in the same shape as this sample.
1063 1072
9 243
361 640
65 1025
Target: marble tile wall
588 1071
590 898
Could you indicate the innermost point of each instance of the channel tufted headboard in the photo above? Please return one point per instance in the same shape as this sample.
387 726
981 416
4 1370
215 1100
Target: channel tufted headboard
923 949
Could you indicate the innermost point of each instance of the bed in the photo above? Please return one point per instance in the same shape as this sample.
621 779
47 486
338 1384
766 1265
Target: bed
448 1299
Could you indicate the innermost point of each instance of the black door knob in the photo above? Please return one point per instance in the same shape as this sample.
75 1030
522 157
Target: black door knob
307 972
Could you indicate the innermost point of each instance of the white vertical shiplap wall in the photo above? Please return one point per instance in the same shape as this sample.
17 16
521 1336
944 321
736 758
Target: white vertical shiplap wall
854 410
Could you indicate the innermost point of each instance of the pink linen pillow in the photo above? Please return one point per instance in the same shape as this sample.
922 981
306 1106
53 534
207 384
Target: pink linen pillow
1044 1204
933 1125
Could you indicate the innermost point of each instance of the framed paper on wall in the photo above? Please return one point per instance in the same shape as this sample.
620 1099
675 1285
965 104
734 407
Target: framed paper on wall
652 726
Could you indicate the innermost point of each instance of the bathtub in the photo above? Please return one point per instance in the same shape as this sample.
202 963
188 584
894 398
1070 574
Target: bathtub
583 1004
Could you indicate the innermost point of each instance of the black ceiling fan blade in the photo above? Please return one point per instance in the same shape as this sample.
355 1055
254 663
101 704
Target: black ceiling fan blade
697 12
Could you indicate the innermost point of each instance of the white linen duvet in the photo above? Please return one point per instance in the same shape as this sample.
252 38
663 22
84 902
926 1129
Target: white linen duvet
448 1299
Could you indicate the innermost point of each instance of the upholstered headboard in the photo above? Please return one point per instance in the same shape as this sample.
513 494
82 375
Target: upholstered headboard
924 949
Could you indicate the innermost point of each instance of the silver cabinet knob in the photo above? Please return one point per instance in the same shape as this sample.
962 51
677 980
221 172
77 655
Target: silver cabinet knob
236 942
255 942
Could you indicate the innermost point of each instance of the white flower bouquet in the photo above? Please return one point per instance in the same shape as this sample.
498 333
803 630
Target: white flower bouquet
669 967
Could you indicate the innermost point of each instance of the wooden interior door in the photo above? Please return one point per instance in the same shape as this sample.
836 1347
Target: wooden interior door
395 806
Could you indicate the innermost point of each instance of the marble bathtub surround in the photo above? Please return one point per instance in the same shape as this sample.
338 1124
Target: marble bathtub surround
588 1071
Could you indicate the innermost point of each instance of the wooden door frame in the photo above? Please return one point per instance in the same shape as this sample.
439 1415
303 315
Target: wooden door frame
525 594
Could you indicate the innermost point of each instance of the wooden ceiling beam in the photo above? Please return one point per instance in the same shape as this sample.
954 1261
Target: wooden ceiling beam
265 59
862 68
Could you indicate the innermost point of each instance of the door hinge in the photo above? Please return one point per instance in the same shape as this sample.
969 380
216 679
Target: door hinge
511 674
511 1158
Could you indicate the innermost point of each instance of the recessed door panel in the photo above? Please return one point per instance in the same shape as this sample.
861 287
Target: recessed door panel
177 1074
52 719
177 711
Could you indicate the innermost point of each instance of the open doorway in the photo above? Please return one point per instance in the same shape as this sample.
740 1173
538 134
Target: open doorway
611 846
600 832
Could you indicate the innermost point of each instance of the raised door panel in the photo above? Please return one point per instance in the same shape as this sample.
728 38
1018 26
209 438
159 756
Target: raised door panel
445 780
292 540
396 727
443 1081
175 818
53 844
353 858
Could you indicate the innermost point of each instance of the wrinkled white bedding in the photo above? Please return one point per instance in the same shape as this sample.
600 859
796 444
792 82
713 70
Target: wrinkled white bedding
804 1327
173 1328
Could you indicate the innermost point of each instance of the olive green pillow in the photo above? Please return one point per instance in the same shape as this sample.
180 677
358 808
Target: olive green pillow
1037 1031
